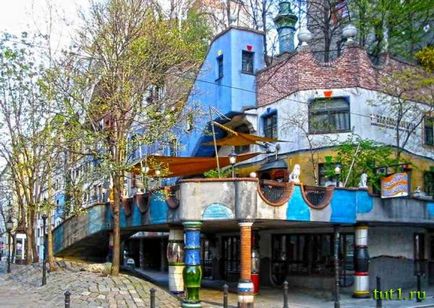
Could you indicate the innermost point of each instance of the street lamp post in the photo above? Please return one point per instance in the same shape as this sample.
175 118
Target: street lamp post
44 263
232 160
9 226
337 173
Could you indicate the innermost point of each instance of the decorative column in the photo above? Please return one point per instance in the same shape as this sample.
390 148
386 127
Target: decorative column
361 262
175 257
193 270
245 285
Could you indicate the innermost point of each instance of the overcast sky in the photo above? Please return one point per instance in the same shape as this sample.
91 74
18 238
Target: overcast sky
17 16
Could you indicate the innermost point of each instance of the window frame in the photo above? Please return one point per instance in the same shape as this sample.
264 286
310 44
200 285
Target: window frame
274 122
330 114
220 67
322 257
428 188
426 128
251 54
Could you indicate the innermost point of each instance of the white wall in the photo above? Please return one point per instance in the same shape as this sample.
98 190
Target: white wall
392 241
361 108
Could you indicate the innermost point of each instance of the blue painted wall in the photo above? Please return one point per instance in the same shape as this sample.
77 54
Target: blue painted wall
345 205
59 200
229 94
430 208
297 210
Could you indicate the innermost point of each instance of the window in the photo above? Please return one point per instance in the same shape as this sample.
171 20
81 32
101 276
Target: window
308 254
428 183
419 253
329 116
219 67
189 123
247 62
429 131
270 126
231 257
242 148
173 147
323 179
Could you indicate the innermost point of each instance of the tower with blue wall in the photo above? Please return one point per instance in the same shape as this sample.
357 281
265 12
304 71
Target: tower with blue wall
223 84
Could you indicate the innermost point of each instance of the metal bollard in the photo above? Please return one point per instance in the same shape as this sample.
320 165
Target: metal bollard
152 297
67 299
225 295
379 304
285 294
418 288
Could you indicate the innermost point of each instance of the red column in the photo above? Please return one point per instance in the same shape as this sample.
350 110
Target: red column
245 285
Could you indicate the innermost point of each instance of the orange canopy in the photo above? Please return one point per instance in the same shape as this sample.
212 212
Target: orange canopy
187 166
241 139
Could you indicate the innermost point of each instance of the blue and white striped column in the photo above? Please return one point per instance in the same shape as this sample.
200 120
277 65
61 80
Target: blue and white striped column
193 270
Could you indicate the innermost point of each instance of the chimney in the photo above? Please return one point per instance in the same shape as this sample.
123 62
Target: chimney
285 24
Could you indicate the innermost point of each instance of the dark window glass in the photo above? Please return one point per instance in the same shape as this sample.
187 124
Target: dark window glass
419 246
428 183
307 254
270 126
231 257
220 66
429 131
329 116
247 62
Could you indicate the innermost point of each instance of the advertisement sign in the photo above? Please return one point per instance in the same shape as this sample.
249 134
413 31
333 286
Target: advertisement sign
395 185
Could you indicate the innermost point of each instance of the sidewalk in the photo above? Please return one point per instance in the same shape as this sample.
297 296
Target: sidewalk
22 289
212 296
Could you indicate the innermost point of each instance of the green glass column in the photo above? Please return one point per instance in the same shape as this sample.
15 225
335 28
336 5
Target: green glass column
193 270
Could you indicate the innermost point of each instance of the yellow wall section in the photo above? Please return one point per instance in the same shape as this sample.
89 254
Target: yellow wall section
419 166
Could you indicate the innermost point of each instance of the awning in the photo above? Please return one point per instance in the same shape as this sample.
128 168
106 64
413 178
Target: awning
239 139
187 166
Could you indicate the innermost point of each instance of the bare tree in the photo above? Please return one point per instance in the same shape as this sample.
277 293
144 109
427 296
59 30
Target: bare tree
297 124
325 19
407 100
127 73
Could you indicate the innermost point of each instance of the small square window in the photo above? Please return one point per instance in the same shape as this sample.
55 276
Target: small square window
219 67
247 62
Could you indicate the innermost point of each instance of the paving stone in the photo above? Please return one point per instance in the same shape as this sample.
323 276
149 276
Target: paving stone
87 289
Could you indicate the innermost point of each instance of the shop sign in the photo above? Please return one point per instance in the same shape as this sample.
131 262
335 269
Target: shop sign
388 122
217 211
395 185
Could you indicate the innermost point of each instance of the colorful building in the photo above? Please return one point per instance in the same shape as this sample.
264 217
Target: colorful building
280 225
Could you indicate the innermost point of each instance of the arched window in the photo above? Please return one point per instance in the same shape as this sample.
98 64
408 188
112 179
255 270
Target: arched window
329 116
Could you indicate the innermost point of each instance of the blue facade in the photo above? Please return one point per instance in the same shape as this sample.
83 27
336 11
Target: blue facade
59 200
230 93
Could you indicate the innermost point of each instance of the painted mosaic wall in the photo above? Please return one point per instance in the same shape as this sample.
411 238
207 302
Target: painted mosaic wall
214 199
